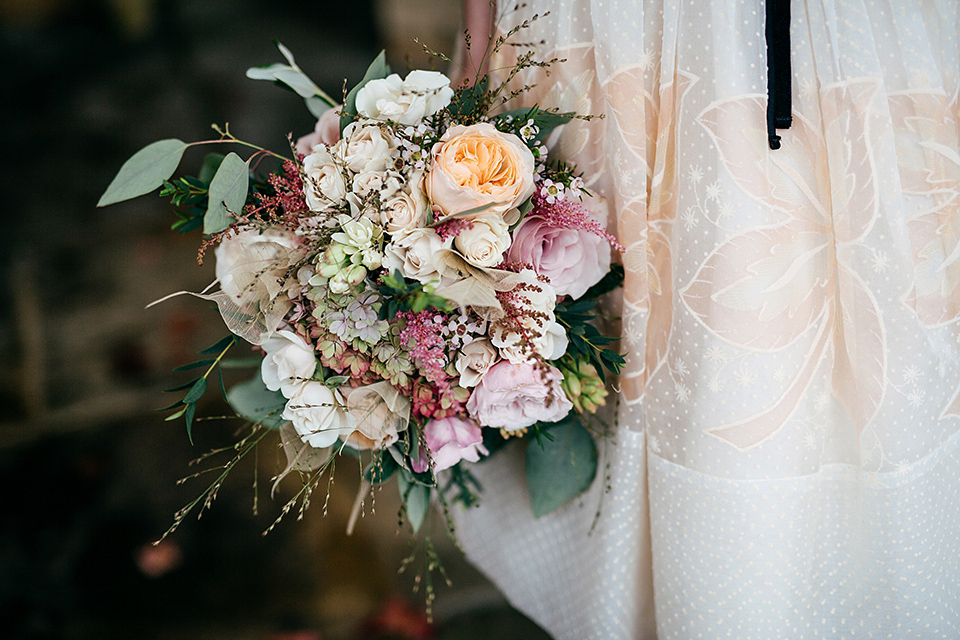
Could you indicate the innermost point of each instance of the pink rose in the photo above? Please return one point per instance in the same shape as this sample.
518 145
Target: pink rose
573 259
451 440
326 131
478 165
514 396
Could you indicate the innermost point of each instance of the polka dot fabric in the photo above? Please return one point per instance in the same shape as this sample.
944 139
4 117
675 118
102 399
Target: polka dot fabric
786 464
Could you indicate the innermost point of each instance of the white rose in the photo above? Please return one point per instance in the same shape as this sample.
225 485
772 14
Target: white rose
324 186
485 240
367 147
387 183
407 209
406 101
379 412
475 359
535 297
318 414
414 254
554 342
289 362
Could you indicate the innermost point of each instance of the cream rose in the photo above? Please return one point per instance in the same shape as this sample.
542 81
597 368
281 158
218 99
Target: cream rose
289 362
475 359
318 414
405 211
414 253
386 183
405 101
379 412
367 147
483 243
324 185
478 165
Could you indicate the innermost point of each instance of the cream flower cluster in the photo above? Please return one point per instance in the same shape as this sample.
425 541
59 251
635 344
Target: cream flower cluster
404 190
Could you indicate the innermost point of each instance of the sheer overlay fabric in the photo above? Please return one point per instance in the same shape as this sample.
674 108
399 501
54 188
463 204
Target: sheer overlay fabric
785 462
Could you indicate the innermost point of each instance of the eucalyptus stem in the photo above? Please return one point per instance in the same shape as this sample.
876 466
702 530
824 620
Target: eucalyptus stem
227 137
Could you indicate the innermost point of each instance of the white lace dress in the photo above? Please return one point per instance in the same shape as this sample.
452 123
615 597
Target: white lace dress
786 463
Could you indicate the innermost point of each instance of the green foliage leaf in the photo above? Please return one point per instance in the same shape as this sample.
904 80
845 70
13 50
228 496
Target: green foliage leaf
608 283
290 76
416 501
188 413
145 171
378 69
220 345
228 193
195 365
560 469
181 387
466 100
196 391
253 401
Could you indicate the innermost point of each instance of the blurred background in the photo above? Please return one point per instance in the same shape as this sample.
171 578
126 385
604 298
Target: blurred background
89 467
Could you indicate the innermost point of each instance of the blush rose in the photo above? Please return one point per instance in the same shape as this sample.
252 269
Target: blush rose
451 440
514 396
573 259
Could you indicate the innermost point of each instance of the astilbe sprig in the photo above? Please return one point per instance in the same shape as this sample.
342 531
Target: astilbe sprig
283 207
435 395
571 214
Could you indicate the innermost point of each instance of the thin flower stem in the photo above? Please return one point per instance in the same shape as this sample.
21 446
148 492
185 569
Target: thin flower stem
227 137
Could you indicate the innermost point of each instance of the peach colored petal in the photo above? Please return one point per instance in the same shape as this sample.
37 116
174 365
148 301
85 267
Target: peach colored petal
763 288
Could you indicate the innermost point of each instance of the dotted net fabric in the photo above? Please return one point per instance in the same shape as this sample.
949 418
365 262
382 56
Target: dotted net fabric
786 457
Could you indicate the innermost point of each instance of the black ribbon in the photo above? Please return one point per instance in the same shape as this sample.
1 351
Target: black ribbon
779 74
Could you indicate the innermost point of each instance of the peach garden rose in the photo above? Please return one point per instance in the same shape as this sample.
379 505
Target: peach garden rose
478 165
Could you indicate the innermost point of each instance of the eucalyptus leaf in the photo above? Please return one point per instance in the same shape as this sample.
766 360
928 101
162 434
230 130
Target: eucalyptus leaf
317 106
253 401
211 162
285 52
298 81
228 193
558 470
378 69
292 77
145 171
416 501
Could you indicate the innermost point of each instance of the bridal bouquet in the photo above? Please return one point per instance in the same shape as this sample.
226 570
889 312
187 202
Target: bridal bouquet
420 280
